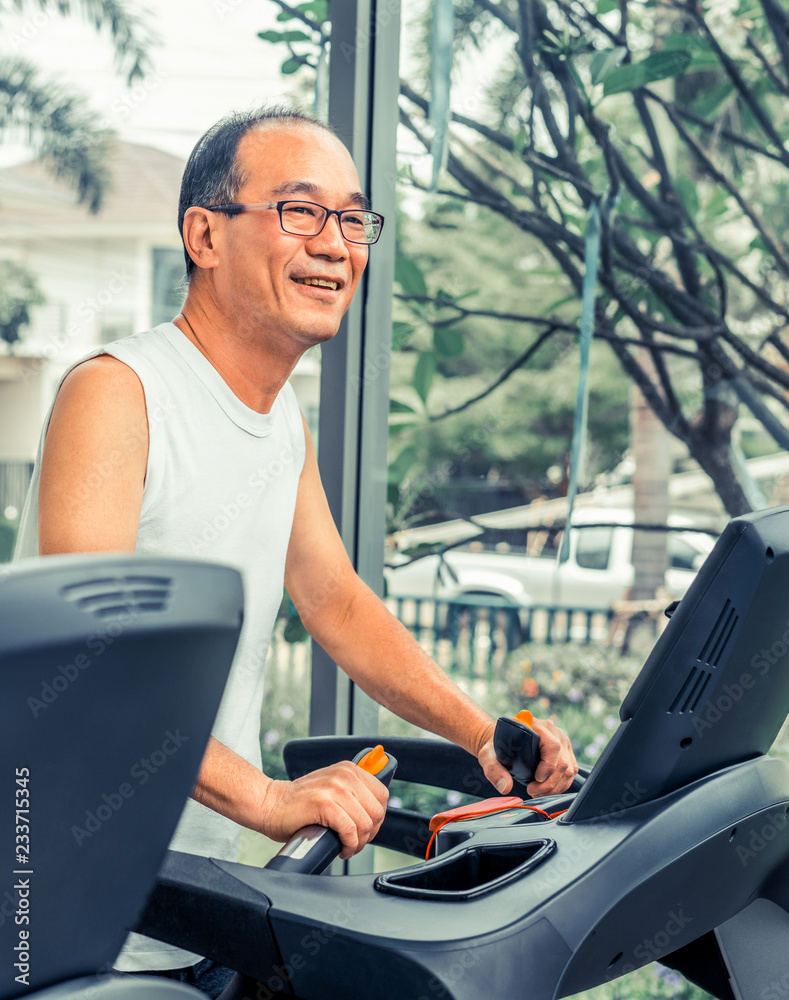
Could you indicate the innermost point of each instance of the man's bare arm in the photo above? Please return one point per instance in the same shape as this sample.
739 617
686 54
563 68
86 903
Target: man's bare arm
379 653
342 796
94 460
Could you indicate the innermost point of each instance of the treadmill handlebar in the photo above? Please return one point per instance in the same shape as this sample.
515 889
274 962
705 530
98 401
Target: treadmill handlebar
313 848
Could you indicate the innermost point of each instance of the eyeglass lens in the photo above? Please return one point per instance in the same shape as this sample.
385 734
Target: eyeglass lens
304 219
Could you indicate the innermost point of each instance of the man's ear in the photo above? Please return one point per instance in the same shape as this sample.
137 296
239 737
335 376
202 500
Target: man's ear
198 237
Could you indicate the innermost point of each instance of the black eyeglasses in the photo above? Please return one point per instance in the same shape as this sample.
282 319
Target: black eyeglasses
306 218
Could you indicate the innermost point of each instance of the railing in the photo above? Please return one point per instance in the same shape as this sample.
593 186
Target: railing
471 638
474 636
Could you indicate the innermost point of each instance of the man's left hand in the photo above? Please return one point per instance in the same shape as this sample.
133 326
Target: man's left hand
554 773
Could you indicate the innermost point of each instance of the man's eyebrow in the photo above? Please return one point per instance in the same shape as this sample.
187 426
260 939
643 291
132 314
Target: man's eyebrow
308 187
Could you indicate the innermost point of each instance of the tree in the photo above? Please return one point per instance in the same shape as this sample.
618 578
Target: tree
691 175
478 402
18 292
58 123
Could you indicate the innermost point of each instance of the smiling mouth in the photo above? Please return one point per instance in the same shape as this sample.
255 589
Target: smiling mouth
319 283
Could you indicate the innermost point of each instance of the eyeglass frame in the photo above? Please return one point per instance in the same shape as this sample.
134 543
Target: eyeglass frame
239 209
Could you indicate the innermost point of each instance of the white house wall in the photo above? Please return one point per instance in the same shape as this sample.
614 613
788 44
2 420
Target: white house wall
21 399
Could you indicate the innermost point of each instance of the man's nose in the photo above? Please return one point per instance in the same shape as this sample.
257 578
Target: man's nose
329 241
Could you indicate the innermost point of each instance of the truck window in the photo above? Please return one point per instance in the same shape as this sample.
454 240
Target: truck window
593 547
682 555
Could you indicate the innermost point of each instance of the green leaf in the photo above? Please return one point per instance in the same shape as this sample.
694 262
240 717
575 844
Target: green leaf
520 140
703 56
605 6
717 205
444 295
572 297
688 195
658 66
284 16
318 8
290 66
402 422
409 276
399 468
576 77
757 243
284 36
423 374
604 62
395 406
710 102
400 334
448 343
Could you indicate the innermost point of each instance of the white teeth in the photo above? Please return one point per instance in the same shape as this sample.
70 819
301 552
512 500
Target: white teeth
319 282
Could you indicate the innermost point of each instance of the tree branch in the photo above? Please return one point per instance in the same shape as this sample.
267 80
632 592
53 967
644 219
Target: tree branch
693 144
734 75
781 85
513 367
714 127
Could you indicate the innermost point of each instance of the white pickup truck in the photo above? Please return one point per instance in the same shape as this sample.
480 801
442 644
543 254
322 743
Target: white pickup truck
598 572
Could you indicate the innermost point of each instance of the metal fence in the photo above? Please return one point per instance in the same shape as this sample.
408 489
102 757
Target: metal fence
473 637
470 638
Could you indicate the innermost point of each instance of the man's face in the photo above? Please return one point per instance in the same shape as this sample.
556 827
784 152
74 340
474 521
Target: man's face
262 271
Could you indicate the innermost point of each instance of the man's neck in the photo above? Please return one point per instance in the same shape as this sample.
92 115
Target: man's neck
254 373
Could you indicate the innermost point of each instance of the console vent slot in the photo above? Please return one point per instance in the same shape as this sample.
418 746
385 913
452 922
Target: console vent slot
691 691
719 637
110 597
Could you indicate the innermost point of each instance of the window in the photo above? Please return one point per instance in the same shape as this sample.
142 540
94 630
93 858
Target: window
593 547
683 555
115 326
168 273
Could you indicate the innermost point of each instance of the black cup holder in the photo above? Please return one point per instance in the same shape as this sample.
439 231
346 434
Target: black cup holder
466 873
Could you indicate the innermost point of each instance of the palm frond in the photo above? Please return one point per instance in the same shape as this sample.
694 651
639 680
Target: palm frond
130 35
59 126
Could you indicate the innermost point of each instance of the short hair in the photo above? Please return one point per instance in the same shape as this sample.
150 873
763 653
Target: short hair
213 175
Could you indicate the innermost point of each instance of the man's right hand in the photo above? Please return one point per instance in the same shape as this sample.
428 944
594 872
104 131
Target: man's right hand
344 797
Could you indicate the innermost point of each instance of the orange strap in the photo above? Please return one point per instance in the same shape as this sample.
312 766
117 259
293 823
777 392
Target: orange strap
476 809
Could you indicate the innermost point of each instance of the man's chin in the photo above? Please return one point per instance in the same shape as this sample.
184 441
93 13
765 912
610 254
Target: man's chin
318 333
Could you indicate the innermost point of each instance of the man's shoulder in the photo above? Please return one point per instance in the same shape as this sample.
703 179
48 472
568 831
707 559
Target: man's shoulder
103 378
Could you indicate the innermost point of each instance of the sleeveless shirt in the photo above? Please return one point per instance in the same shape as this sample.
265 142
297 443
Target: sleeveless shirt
220 484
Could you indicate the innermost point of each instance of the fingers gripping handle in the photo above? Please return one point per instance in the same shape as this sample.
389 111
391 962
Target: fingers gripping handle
313 848
517 746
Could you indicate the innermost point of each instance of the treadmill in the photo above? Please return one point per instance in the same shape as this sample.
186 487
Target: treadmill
675 847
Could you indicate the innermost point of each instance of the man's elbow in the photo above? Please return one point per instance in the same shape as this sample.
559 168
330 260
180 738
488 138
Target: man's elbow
330 608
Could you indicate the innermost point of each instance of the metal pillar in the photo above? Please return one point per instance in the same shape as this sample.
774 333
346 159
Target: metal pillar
354 402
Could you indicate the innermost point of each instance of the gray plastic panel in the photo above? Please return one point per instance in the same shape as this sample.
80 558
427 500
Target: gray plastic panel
118 988
112 668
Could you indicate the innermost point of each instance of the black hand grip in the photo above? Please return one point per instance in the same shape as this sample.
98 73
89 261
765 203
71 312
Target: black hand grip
517 747
313 848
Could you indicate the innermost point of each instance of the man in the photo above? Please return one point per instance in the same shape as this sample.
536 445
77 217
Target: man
188 439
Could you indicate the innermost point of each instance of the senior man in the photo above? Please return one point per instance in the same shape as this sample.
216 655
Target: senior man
187 439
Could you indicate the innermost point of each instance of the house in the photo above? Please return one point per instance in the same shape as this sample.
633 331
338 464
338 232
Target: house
103 277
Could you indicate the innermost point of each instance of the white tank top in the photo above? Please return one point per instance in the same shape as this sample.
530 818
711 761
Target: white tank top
221 484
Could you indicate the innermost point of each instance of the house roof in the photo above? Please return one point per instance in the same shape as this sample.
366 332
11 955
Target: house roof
144 188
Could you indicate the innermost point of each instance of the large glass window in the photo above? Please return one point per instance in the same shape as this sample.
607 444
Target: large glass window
167 287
